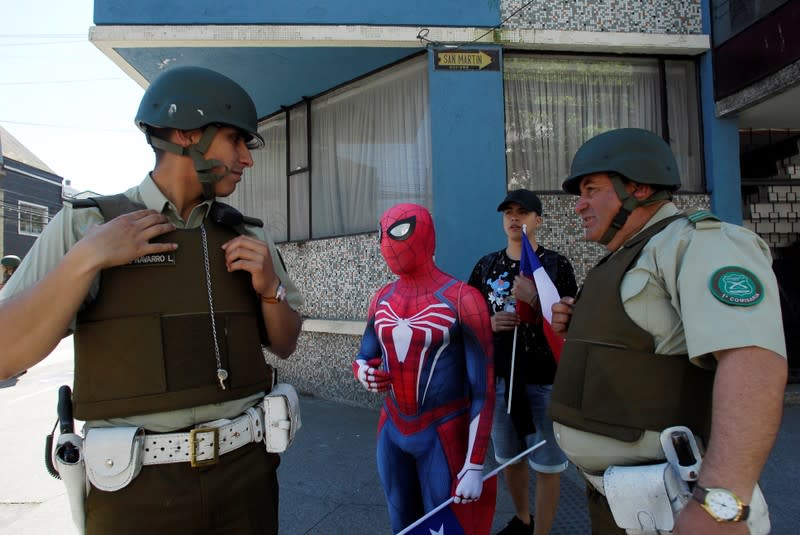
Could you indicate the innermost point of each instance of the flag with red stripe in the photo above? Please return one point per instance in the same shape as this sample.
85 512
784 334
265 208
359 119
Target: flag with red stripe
531 267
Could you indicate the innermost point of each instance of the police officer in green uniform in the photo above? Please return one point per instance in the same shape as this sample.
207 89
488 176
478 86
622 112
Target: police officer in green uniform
10 263
679 325
172 296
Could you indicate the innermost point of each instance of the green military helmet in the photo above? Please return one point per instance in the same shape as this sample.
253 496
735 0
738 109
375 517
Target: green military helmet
636 154
10 260
186 98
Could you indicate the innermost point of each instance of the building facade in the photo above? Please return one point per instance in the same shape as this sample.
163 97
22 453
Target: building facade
30 195
448 104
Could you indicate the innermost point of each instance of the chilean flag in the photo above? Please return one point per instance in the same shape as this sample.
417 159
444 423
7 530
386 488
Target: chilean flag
530 267
460 519
473 518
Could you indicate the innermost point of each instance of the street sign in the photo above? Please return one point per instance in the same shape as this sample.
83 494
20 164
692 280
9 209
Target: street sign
467 60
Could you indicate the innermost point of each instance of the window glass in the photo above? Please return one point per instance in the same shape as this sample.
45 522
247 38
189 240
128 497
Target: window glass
32 218
684 123
555 103
262 193
370 149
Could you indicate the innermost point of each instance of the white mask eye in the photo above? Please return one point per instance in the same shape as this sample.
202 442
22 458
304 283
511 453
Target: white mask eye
402 229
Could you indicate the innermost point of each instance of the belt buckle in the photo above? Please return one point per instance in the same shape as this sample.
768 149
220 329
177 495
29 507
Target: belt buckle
194 443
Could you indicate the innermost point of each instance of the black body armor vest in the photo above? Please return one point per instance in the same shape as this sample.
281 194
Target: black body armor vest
609 380
145 344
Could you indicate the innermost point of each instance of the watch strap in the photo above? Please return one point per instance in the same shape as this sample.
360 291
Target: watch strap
699 494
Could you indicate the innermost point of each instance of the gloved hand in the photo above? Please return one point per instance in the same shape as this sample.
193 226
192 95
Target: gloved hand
370 376
470 483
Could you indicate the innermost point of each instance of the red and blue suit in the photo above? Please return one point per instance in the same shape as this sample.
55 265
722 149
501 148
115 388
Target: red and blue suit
428 345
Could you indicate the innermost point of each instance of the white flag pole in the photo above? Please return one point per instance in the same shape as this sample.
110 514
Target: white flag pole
451 498
510 385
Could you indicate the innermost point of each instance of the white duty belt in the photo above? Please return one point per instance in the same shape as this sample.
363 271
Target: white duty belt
204 444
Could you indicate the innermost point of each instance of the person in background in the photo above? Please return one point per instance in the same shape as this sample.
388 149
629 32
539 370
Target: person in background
679 325
496 276
10 263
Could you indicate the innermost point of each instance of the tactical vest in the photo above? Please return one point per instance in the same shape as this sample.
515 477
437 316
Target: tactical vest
609 380
145 344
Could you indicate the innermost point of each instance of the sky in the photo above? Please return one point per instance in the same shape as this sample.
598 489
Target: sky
67 102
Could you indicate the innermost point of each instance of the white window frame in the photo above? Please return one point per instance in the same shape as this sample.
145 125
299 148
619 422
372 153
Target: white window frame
27 212
539 148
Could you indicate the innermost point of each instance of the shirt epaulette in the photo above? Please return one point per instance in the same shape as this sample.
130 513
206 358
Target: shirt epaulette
230 216
254 221
110 206
82 203
700 215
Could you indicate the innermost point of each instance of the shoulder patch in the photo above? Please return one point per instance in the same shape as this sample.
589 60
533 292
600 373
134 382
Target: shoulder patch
736 286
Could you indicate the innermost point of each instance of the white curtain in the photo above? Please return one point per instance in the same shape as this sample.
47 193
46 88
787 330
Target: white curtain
684 123
555 103
370 150
262 192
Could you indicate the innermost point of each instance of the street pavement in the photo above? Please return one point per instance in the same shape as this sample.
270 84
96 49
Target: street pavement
328 477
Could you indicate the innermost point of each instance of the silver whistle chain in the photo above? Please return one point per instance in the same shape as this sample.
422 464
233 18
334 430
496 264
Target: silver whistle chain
222 373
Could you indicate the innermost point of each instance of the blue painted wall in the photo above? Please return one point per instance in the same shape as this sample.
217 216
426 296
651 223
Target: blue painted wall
274 77
720 144
468 153
387 12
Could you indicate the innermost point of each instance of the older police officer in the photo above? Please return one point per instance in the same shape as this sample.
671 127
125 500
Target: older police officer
171 296
679 325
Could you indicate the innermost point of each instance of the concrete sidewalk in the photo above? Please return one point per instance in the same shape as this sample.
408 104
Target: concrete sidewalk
329 482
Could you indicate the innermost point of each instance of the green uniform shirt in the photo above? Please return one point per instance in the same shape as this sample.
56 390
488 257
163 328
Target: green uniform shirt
70 225
684 316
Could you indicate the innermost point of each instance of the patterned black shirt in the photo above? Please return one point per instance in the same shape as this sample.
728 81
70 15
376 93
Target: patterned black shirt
493 276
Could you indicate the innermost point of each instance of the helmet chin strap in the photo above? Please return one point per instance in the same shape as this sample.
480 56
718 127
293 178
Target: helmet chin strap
629 203
196 152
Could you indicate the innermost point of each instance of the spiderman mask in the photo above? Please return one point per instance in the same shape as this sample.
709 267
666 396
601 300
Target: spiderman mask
407 239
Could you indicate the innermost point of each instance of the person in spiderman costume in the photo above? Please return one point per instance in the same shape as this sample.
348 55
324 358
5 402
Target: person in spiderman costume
428 345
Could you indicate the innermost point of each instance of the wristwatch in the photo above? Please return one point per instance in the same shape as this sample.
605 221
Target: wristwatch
722 504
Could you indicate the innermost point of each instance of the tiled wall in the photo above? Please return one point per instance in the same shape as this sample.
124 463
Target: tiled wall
654 16
773 210
338 277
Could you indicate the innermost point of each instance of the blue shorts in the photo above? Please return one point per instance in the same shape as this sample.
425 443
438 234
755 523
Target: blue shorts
548 458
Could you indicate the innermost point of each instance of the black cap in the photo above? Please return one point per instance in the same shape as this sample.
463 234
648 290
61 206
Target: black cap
523 197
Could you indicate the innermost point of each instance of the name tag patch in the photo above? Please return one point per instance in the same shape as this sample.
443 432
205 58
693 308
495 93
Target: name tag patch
158 259
736 286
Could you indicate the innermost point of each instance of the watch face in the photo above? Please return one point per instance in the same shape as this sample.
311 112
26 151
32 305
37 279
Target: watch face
722 504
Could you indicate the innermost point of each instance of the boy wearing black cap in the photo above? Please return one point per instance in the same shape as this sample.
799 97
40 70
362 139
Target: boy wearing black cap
496 275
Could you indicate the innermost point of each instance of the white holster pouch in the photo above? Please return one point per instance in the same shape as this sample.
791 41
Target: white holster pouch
113 456
281 417
647 499
73 474
758 519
